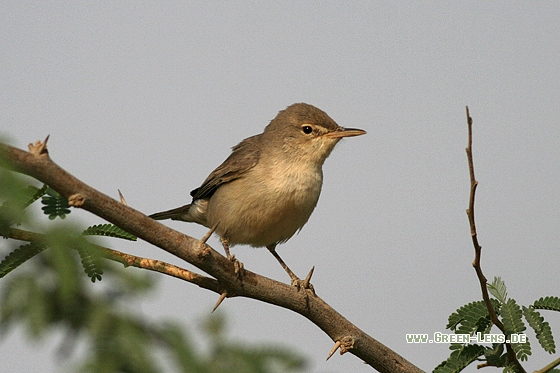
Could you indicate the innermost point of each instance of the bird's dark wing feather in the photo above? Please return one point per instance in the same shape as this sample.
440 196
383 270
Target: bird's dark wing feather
244 156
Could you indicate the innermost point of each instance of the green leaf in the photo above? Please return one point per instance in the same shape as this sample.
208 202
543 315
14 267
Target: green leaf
19 256
541 328
55 205
513 323
548 303
24 300
64 261
460 359
26 196
470 318
36 193
498 289
16 195
511 316
109 230
91 260
522 350
122 343
495 356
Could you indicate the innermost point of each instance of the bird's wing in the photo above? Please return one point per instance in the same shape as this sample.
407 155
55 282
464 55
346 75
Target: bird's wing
244 156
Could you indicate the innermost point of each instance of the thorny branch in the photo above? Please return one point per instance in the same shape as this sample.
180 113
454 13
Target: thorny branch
38 164
478 249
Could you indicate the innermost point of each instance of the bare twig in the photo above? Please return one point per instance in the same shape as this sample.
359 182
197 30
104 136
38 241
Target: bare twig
202 256
478 249
549 366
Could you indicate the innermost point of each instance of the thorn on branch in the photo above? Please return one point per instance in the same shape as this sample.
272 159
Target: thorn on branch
307 281
204 250
208 234
220 300
333 350
123 201
39 148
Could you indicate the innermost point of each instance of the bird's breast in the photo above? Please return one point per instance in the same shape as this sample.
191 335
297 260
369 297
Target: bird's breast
266 206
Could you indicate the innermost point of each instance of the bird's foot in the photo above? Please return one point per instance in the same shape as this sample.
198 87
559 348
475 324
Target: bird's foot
238 267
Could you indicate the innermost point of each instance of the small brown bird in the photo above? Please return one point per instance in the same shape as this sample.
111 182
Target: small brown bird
265 191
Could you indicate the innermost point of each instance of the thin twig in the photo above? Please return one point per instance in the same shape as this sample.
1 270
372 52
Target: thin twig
131 260
478 249
549 366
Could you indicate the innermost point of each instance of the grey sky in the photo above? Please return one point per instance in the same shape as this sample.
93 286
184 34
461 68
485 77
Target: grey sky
148 98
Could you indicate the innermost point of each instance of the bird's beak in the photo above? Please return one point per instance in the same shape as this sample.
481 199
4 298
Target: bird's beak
345 132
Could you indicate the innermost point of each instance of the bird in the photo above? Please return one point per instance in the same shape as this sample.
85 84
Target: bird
267 188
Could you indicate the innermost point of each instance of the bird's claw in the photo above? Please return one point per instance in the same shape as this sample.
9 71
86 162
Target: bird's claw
238 267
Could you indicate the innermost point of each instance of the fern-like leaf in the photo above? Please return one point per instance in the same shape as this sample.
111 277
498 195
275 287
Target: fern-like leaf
36 193
495 356
55 205
522 350
470 318
541 328
513 324
108 230
460 359
498 289
12 209
511 316
91 261
548 303
19 256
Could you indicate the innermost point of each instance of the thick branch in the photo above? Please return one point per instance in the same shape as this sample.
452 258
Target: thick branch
38 164
478 249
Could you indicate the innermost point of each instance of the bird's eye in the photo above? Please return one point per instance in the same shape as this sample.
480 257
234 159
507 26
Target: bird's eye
307 129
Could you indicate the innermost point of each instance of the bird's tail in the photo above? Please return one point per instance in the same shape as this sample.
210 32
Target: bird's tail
179 213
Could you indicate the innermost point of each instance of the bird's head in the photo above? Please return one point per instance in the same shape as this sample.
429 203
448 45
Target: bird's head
304 133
